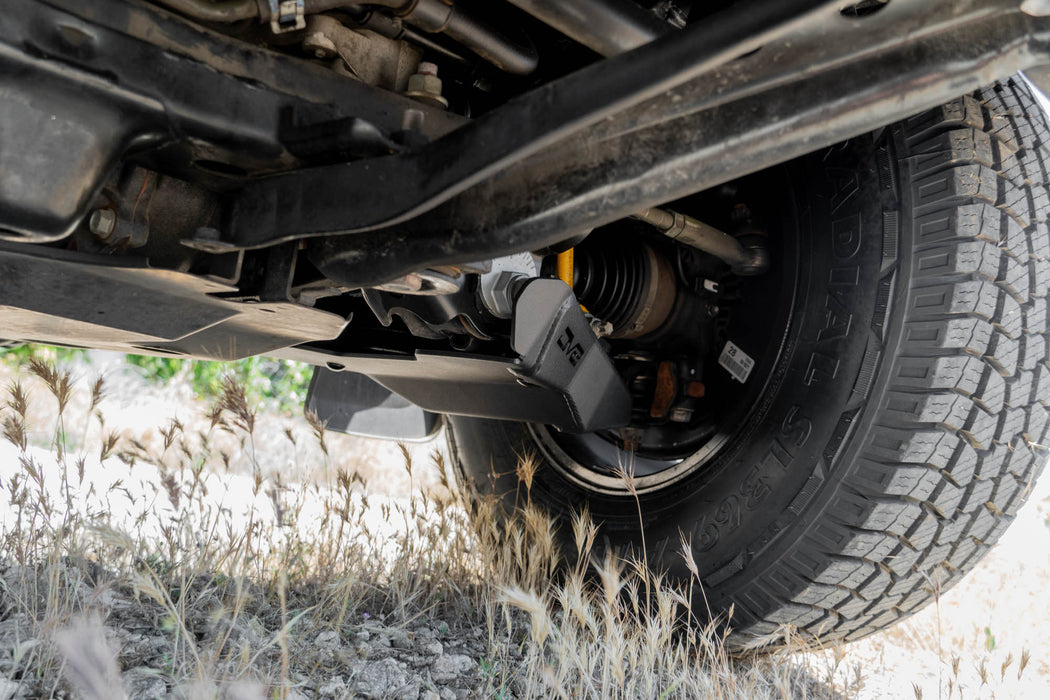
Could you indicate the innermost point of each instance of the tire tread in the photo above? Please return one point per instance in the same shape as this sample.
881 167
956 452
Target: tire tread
959 433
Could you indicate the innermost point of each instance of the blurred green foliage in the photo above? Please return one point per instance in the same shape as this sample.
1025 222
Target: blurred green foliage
22 353
265 380
280 384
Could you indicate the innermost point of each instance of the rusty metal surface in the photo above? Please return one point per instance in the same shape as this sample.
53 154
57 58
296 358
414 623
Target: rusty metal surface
833 81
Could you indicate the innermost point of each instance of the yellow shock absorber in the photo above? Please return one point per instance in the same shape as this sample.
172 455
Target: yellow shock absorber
566 268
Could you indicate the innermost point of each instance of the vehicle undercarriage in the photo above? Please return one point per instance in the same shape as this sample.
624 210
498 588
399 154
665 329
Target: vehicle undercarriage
284 205
597 217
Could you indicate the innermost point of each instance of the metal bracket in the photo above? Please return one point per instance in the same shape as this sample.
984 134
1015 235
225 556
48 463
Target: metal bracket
287 16
352 403
561 376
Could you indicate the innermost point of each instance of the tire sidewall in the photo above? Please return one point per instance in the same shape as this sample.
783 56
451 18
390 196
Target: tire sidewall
770 475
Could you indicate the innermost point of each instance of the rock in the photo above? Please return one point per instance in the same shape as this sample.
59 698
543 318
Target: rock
8 689
332 688
110 599
385 679
399 639
143 683
434 649
429 695
327 638
452 667
448 694
238 690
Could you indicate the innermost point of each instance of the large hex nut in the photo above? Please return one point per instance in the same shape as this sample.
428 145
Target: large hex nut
103 222
498 295
425 84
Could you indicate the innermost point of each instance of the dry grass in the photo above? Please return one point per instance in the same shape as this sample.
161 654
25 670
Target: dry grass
153 567
241 574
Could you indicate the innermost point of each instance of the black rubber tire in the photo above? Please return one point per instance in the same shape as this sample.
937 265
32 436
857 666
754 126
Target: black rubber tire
902 425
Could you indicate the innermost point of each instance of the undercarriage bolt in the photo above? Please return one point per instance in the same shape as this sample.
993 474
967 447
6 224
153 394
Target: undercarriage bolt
425 85
412 120
601 328
680 414
320 45
103 222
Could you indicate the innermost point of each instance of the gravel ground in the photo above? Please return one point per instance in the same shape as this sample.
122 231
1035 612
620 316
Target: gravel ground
118 628
118 641
424 661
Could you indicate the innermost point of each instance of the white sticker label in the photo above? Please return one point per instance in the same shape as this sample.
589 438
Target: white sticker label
737 362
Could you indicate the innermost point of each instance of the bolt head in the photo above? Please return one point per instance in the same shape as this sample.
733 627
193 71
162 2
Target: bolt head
103 222
503 293
424 84
680 415
320 45
412 120
209 240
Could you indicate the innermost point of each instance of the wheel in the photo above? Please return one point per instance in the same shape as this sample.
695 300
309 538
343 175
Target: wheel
893 420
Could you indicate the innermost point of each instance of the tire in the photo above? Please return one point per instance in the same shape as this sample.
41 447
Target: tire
902 419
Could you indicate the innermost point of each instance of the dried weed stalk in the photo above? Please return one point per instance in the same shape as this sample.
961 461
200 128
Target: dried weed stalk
240 588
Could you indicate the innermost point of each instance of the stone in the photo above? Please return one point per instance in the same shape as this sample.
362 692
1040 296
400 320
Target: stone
385 678
8 689
143 683
327 638
332 688
399 639
452 667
